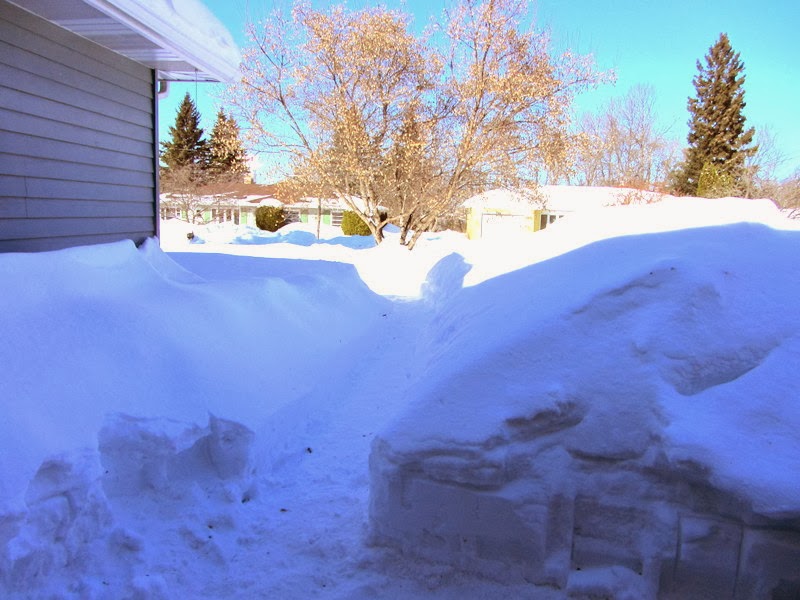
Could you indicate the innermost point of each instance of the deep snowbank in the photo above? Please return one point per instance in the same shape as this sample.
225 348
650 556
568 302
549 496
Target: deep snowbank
626 406
127 379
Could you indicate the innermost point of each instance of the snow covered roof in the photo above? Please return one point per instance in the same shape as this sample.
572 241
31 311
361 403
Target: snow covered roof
182 39
225 200
331 203
561 198
503 199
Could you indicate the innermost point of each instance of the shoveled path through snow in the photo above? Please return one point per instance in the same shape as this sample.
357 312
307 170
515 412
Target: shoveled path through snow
312 455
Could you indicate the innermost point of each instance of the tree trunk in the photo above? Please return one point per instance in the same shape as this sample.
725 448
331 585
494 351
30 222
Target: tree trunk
319 217
377 233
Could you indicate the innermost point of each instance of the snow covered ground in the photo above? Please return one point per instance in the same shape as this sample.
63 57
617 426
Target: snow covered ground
254 415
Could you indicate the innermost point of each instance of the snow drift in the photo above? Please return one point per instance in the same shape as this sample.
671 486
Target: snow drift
624 410
566 415
131 392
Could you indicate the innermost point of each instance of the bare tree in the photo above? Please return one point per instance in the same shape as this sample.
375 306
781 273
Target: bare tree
501 108
760 173
787 195
379 118
191 190
622 145
329 89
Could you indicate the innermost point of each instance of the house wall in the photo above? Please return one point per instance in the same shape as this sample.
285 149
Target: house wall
77 139
539 219
475 217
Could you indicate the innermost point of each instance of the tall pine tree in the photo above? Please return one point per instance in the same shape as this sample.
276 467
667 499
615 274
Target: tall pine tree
227 156
717 136
186 148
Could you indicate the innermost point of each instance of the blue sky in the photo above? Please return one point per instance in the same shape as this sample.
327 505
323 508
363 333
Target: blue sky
644 41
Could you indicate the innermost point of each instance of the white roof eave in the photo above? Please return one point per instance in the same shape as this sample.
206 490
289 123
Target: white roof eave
182 39
186 27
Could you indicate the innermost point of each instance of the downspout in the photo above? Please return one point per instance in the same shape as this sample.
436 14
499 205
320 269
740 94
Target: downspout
160 89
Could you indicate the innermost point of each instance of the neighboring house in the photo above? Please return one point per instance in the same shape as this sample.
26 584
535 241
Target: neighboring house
312 210
502 213
236 206
329 210
79 112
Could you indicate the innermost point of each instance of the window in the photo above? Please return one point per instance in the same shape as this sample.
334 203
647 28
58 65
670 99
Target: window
546 218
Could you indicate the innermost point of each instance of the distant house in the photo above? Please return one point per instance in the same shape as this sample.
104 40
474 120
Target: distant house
327 210
237 205
79 112
502 213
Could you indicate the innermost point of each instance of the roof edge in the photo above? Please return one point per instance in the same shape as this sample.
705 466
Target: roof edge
213 52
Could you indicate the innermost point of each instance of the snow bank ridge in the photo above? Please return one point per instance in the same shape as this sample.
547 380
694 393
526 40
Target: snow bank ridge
618 442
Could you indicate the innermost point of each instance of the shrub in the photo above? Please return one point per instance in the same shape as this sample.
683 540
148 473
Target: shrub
270 218
352 224
714 182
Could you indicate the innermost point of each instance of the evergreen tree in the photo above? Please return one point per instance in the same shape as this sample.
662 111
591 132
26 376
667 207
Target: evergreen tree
717 135
712 183
186 148
227 155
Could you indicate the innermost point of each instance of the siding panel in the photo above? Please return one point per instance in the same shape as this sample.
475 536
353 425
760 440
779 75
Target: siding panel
38 228
78 190
77 139
18 144
13 208
35 168
47 39
57 243
37 85
39 208
15 102
72 77
37 126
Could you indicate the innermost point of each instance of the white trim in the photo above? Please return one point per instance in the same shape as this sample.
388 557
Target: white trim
215 55
182 39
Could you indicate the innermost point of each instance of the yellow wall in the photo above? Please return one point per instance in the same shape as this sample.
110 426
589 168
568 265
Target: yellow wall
537 221
473 224
475 215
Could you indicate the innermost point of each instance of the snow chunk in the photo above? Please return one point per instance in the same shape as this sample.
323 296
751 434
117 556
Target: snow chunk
162 456
69 529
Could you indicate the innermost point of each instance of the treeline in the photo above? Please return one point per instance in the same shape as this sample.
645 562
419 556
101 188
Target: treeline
189 156
404 127
622 145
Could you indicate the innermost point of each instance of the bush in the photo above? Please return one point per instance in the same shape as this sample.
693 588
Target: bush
352 224
714 182
270 218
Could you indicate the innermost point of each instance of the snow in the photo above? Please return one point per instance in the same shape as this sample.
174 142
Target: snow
607 408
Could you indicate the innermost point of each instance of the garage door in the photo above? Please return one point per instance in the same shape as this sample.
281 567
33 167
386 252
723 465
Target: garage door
498 226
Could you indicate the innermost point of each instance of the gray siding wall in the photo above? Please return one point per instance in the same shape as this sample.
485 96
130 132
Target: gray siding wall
77 139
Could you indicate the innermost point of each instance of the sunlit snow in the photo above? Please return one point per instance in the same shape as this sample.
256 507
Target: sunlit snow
606 408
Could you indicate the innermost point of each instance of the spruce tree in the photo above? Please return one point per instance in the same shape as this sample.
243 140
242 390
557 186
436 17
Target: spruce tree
227 156
717 135
186 148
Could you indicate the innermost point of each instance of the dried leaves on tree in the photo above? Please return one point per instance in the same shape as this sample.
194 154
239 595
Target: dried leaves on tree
382 118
